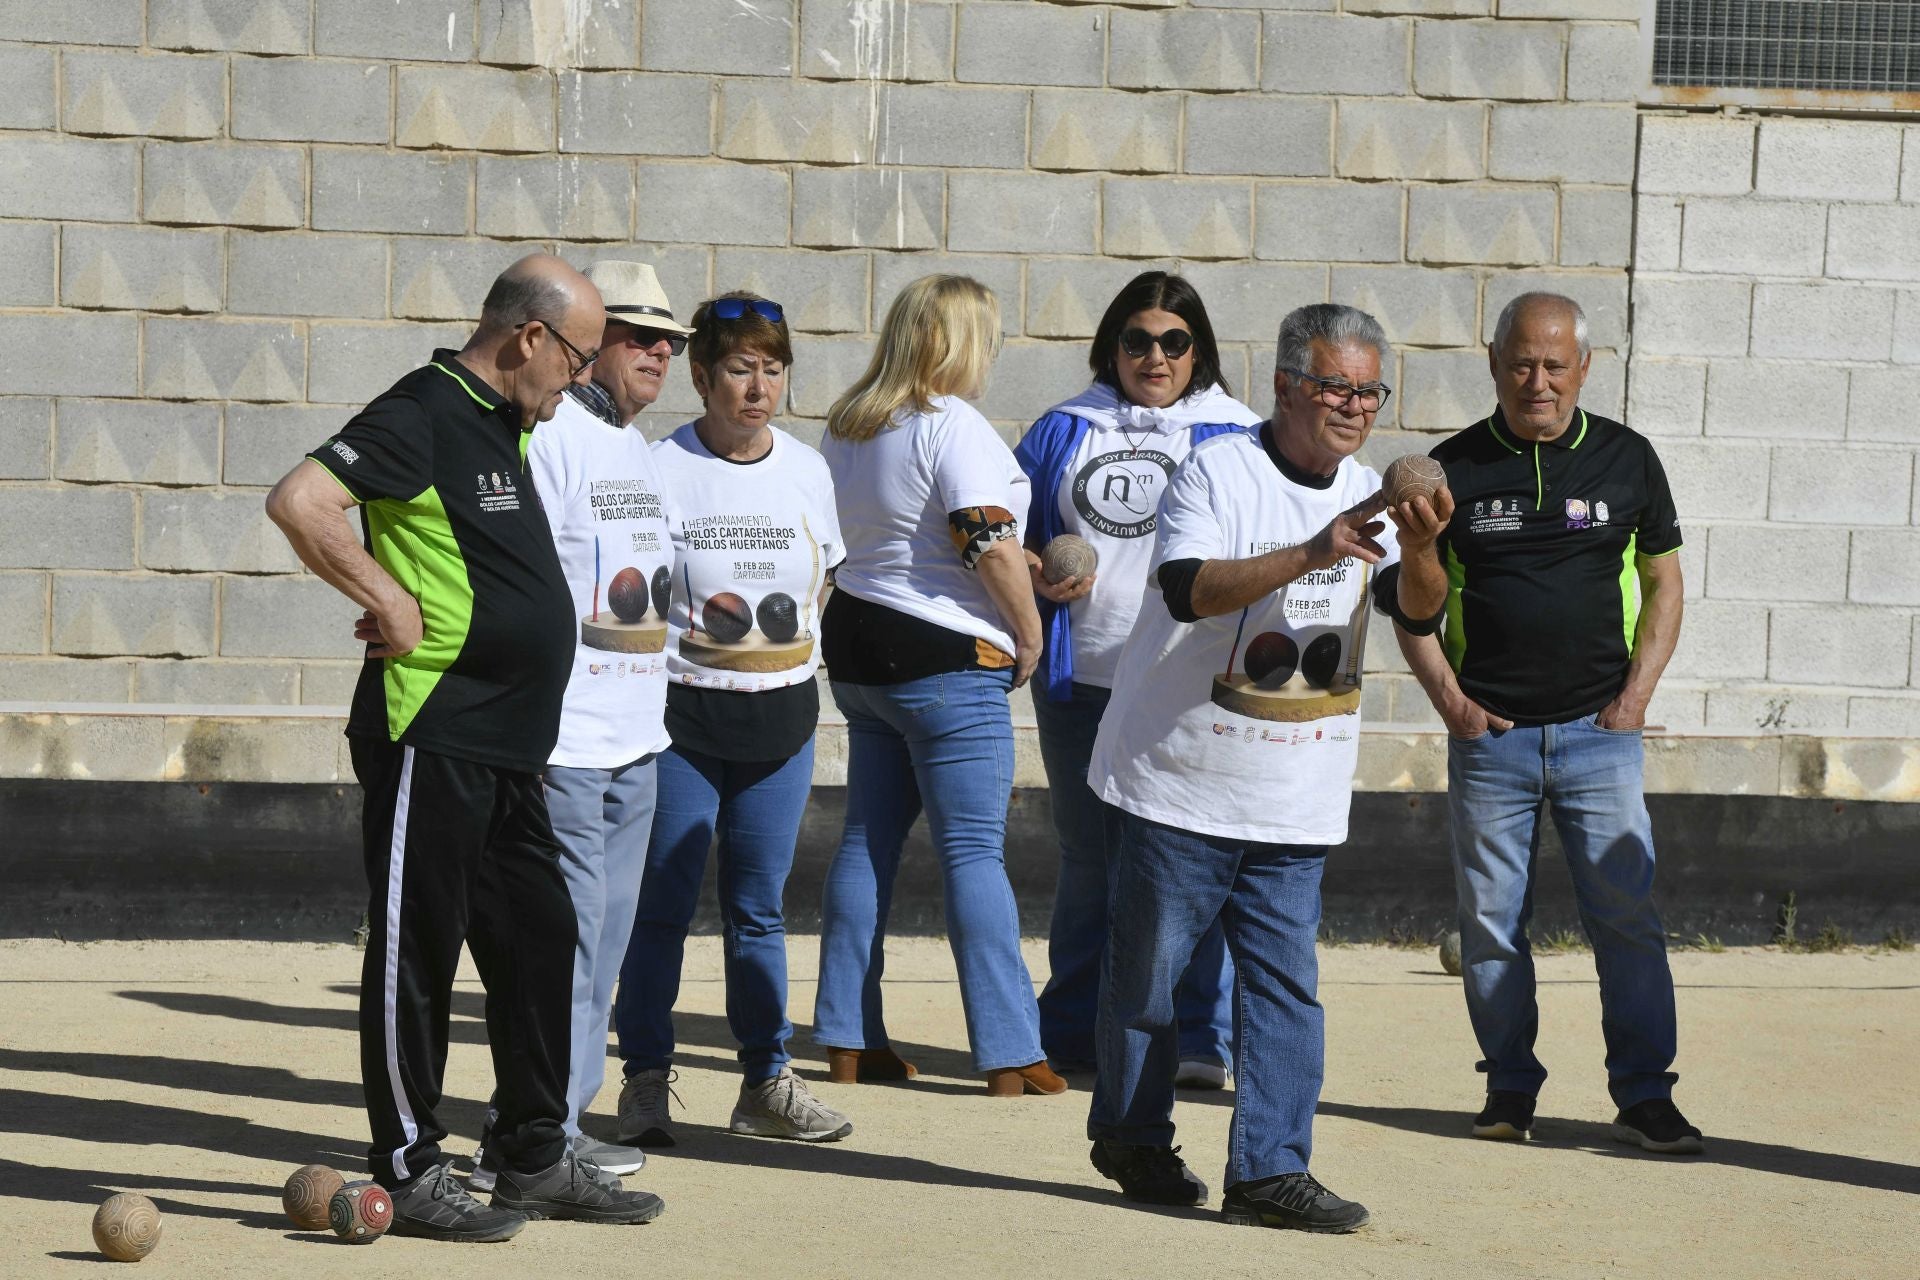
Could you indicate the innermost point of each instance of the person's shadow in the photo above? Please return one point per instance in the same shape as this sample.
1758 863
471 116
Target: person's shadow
1597 1139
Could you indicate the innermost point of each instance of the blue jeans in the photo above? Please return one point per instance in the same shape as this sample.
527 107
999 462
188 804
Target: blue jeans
945 741
601 818
1496 785
755 807
1170 886
1077 941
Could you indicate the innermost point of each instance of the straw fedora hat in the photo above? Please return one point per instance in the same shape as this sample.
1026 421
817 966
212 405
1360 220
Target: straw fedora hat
633 295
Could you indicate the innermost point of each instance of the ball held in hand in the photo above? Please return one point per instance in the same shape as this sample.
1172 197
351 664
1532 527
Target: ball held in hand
1067 557
1414 476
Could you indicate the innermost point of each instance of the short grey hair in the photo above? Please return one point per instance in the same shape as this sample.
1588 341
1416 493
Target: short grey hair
520 296
1333 324
1503 328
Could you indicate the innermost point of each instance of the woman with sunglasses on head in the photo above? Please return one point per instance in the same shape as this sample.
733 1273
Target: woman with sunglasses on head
1098 463
932 621
755 534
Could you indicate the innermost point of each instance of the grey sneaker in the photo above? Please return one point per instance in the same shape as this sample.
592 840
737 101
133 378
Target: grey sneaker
611 1159
486 1161
783 1107
435 1206
644 1118
576 1190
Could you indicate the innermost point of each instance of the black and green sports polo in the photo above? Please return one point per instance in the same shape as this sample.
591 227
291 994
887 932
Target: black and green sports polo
450 511
1543 593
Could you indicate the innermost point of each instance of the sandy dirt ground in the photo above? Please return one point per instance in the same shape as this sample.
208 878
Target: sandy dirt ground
200 1074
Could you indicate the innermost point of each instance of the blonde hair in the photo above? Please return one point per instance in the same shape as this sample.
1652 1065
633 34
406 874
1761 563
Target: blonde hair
939 339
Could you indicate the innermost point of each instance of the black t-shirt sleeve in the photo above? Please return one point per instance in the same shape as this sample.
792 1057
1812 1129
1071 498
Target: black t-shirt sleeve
1176 587
386 451
1386 599
1659 530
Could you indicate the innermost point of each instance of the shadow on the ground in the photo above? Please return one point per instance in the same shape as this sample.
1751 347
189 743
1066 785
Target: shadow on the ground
91 1186
1553 1133
114 1120
225 1078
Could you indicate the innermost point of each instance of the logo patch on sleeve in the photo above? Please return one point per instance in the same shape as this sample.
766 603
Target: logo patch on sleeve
348 454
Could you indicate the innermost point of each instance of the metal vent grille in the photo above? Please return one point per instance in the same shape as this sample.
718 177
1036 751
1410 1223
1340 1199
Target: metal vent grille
1864 46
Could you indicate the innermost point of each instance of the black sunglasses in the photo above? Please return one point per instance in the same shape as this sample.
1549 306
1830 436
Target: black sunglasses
734 308
583 358
1174 342
647 339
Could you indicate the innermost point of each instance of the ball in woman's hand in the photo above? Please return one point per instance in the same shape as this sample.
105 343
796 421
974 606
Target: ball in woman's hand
1271 659
779 617
627 595
1068 556
662 591
726 618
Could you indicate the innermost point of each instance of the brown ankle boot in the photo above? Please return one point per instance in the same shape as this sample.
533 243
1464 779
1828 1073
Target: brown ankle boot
1013 1082
852 1066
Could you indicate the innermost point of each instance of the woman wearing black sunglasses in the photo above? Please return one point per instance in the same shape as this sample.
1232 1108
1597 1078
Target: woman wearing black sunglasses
1098 463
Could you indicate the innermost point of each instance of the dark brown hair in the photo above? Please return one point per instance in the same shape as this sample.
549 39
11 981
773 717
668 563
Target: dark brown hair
1158 291
715 339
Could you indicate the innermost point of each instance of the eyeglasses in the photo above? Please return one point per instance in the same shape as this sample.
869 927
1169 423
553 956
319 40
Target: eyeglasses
1337 393
584 358
734 308
647 339
1174 342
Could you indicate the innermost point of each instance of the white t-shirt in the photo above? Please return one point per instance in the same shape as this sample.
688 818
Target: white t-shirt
896 491
609 515
1244 726
752 542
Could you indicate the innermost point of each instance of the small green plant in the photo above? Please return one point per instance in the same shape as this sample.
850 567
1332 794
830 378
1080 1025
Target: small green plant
1786 920
1896 939
1707 942
1560 941
1831 937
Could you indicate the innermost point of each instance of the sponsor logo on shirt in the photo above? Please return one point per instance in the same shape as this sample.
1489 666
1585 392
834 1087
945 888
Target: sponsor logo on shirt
496 492
1500 515
1577 517
348 454
1118 493
1599 512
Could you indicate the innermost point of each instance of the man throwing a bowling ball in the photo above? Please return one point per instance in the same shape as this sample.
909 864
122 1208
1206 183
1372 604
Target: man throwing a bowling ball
1542 674
457 711
1229 748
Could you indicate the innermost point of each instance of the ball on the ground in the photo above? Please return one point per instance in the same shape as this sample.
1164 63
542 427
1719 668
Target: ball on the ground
1321 661
779 617
360 1212
308 1191
1414 476
627 595
726 618
1450 953
1271 659
127 1227
1067 557
662 591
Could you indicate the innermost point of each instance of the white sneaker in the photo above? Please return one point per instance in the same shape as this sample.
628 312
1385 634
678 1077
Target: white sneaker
1200 1073
644 1117
784 1107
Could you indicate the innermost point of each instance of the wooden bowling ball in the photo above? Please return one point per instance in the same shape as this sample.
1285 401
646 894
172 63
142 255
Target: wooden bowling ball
726 618
1450 953
1271 659
308 1191
1321 661
779 617
1414 476
627 595
662 591
127 1227
360 1212
1067 557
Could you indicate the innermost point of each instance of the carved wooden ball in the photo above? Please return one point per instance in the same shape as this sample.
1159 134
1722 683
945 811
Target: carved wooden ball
1414 476
360 1212
127 1227
1450 953
1067 556
307 1193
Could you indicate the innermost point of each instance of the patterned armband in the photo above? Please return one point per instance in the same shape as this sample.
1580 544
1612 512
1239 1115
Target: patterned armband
974 529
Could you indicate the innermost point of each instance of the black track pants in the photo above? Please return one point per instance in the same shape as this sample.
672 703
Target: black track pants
461 852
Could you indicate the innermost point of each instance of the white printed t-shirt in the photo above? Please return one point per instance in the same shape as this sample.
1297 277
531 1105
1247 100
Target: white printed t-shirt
1177 744
896 491
605 505
753 542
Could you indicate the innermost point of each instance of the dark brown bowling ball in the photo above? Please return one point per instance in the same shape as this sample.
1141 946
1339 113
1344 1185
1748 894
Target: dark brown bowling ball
627 595
726 618
1322 660
779 617
662 591
1271 659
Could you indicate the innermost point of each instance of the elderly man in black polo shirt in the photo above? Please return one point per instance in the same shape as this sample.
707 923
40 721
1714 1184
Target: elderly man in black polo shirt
1543 674
457 710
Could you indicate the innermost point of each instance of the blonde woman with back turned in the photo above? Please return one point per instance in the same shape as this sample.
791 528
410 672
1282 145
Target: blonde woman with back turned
931 623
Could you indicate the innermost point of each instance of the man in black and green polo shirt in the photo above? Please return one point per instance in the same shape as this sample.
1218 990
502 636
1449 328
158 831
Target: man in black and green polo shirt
1563 606
455 715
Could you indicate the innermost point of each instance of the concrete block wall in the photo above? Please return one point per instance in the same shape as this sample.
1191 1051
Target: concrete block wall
1776 361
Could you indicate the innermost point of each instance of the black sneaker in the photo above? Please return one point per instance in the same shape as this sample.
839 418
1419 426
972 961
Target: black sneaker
576 1190
1507 1117
435 1206
1149 1175
1294 1201
1657 1125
